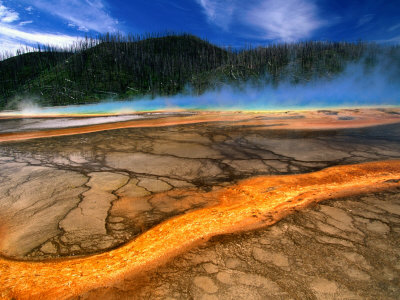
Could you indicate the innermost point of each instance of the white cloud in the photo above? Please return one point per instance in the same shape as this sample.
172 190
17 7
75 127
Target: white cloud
85 14
25 23
288 20
13 36
365 19
83 28
29 8
218 12
12 39
392 40
7 15
80 28
394 27
9 47
19 36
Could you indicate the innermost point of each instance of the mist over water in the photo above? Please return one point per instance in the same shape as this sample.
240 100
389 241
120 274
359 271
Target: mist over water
355 87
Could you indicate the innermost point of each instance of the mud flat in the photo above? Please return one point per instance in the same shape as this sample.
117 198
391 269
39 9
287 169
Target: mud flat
321 119
101 188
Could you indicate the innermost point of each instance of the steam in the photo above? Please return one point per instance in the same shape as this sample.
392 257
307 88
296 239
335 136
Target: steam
27 124
357 86
29 107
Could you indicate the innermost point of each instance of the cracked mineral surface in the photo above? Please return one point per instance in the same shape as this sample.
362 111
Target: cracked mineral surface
347 248
82 194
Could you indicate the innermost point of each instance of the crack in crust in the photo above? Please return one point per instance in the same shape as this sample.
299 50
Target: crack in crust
249 204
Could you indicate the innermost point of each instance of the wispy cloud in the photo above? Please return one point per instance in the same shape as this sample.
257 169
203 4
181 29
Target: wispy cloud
9 47
166 4
84 14
14 36
392 40
13 39
37 37
25 23
218 12
80 28
365 19
7 15
394 27
288 20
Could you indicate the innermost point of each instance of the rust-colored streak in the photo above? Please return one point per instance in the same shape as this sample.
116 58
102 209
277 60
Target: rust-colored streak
252 203
16 136
312 120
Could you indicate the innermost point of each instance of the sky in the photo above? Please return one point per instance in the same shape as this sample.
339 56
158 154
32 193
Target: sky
234 23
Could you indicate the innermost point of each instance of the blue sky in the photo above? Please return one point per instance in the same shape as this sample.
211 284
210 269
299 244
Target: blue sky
233 23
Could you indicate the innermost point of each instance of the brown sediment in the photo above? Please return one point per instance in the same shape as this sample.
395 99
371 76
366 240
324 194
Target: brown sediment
250 204
171 121
321 124
10 115
311 120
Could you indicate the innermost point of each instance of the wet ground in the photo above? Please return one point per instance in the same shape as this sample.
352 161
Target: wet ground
83 194
342 249
18 123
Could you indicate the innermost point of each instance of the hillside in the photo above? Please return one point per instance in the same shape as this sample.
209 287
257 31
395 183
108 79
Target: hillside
127 67
18 71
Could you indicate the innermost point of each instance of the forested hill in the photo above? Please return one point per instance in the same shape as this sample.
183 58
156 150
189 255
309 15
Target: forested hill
113 66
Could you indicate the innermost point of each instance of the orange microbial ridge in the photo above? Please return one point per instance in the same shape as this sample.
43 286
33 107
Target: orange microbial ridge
311 120
250 204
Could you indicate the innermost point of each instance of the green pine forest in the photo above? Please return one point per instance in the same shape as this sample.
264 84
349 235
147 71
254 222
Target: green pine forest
113 66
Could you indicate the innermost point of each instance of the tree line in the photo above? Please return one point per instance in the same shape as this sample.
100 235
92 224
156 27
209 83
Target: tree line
118 67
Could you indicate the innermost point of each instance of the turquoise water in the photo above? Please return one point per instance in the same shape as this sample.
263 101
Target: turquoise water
183 103
174 104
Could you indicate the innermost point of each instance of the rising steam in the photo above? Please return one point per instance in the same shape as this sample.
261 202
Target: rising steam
356 86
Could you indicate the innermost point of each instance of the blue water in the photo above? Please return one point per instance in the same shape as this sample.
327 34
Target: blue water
226 101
